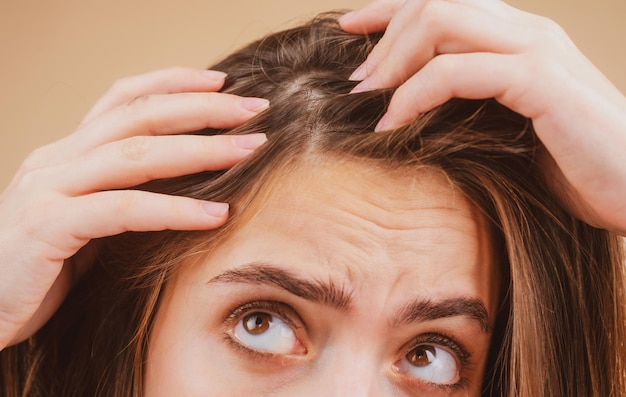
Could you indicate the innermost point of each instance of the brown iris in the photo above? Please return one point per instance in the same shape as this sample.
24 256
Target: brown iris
419 357
257 323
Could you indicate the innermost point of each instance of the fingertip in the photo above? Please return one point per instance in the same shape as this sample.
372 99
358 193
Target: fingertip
213 80
374 17
359 73
388 122
215 209
214 75
370 83
382 123
249 141
363 86
255 105
347 19
376 78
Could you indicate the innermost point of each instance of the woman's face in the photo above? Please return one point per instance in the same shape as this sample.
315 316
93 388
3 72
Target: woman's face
348 281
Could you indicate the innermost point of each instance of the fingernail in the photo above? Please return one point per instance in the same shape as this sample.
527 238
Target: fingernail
361 87
347 16
250 141
359 73
214 74
215 209
255 104
382 123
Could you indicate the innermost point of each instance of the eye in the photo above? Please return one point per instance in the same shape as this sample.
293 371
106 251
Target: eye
430 363
265 332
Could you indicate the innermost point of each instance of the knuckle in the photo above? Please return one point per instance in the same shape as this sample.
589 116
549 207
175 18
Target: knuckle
551 31
212 99
36 159
120 87
435 78
433 14
126 202
28 180
40 212
135 148
444 65
388 74
32 179
141 112
138 101
550 26
120 83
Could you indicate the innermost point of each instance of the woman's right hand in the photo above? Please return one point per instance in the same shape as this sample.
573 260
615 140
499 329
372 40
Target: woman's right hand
435 50
71 191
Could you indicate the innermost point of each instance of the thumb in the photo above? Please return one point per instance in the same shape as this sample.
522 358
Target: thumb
372 18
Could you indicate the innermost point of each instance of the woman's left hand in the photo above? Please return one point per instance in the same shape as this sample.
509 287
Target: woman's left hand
435 50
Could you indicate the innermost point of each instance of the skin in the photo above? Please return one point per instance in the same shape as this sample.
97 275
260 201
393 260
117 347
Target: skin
385 239
60 198
434 50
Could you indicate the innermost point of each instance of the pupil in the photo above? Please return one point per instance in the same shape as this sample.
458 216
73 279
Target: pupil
420 356
257 323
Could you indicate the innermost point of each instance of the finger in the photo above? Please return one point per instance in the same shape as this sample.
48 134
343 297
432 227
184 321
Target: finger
136 160
372 18
442 28
397 26
168 81
109 213
160 115
470 76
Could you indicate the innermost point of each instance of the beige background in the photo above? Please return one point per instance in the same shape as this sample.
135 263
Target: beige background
59 56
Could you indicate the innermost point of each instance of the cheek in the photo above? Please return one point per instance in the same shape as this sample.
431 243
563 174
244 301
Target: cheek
187 355
179 355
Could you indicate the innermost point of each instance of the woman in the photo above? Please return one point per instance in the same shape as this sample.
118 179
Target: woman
444 232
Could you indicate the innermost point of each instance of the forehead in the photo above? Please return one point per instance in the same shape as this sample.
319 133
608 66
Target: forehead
365 225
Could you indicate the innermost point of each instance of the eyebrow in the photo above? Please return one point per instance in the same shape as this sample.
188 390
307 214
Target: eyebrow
329 293
339 297
427 310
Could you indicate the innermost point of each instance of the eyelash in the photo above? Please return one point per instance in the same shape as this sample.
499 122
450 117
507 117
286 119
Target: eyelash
286 313
443 340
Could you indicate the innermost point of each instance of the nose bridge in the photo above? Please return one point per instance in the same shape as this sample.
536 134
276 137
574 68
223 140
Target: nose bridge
352 371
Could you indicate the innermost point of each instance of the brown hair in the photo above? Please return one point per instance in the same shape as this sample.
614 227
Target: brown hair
561 328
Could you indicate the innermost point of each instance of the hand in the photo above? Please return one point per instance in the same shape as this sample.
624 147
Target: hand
434 50
67 193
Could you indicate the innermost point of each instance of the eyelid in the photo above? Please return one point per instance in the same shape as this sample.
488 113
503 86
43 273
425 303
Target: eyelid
279 309
282 310
255 355
445 341
449 343
293 319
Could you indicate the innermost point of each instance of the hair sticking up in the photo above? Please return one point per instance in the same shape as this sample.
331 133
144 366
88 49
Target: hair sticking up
561 329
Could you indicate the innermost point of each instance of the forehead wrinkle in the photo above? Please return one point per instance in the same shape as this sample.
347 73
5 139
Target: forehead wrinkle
310 206
401 213
388 200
